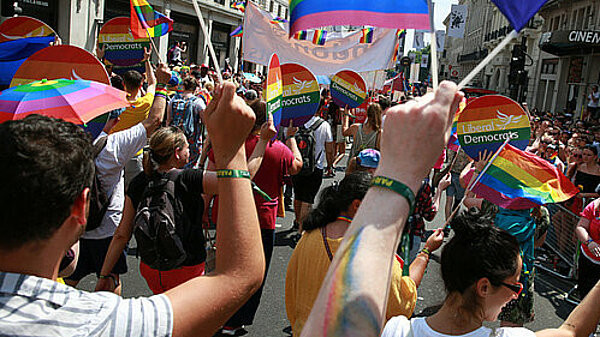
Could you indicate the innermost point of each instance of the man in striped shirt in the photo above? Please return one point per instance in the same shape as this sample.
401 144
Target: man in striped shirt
44 194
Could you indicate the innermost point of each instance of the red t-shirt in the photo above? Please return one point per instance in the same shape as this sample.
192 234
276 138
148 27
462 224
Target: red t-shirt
592 213
276 162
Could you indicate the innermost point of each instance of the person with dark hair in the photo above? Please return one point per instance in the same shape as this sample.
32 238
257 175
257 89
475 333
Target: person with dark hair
324 228
480 285
169 152
44 199
110 165
139 109
279 160
185 112
586 178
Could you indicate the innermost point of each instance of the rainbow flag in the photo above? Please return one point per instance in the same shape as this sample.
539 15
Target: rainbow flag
239 4
307 14
238 32
401 33
301 35
395 56
367 35
320 37
146 22
517 179
453 143
278 19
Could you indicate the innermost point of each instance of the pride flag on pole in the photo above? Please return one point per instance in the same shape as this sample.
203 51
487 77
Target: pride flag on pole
367 35
320 37
239 4
517 179
146 22
410 14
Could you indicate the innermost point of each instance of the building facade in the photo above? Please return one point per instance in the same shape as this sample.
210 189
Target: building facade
78 23
570 55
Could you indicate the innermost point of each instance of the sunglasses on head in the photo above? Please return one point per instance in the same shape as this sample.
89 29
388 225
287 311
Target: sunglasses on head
517 288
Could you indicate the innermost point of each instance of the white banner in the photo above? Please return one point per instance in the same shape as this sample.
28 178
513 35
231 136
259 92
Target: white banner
458 19
262 38
440 38
419 41
374 79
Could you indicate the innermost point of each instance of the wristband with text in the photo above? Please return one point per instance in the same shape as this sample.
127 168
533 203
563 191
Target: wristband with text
425 251
398 187
233 174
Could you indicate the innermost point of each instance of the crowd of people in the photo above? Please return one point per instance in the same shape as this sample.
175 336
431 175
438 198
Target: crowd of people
191 150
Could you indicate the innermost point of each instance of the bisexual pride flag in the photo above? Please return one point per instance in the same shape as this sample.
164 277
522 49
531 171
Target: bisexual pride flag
320 37
367 35
409 14
146 22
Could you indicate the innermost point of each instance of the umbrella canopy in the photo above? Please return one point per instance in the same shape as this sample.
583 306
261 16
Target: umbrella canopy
76 101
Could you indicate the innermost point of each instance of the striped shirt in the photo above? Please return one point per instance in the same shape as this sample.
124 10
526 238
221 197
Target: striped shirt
34 306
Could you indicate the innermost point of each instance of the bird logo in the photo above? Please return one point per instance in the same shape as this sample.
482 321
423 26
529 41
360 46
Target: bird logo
506 120
300 85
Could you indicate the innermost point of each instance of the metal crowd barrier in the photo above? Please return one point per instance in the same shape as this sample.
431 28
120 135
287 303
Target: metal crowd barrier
558 256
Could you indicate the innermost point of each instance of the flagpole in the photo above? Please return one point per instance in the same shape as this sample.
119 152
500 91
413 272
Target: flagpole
473 183
488 59
433 44
207 37
154 46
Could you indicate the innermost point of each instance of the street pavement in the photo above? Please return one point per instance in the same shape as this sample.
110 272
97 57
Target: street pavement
550 307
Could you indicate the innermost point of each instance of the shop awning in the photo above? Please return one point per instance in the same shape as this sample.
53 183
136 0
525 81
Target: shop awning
570 42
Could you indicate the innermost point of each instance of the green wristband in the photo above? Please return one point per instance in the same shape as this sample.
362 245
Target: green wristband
233 174
398 187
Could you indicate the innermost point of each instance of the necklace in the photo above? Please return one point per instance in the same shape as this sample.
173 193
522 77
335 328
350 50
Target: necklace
344 218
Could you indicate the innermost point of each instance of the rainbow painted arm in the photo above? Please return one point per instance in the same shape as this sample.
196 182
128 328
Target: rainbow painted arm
353 297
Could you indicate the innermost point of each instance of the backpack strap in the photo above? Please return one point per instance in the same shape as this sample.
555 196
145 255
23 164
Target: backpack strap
327 248
99 146
316 124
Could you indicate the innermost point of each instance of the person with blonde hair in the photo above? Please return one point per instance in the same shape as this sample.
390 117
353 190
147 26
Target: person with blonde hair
169 151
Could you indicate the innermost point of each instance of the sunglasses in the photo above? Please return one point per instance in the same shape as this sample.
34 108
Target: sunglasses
517 288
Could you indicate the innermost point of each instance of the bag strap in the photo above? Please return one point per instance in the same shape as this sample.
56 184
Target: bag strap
99 146
327 248
316 124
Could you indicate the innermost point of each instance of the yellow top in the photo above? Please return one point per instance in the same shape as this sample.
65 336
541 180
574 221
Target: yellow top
307 269
135 113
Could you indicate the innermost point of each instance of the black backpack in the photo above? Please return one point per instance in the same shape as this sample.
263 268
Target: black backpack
305 137
99 200
159 223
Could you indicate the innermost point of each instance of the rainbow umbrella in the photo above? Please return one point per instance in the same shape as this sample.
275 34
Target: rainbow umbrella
76 101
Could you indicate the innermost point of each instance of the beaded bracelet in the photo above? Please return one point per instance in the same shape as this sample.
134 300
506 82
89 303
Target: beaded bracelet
160 93
233 174
398 187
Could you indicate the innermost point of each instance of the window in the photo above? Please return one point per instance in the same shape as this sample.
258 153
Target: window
271 5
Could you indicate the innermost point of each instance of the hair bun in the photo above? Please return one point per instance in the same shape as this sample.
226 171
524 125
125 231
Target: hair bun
472 224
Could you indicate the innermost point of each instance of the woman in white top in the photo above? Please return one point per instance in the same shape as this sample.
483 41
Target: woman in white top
479 286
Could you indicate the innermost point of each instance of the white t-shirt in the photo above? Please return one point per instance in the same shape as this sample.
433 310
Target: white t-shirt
591 102
322 135
120 148
400 326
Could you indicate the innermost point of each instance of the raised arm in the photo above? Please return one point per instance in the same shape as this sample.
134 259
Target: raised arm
203 304
352 302
291 143
419 265
157 111
150 72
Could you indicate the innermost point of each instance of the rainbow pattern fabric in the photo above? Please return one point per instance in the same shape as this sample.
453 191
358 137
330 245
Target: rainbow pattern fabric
453 143
146 22
307 14
238 32
278 19
301 35
367 35
320 37
517 179
401 33
239 4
